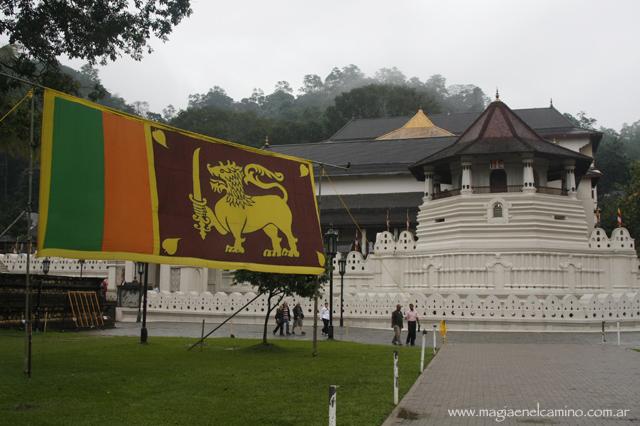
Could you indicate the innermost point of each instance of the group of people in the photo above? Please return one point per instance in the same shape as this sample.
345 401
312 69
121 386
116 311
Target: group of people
413 324
283 318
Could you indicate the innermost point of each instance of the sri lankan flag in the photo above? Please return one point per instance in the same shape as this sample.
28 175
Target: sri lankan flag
115 186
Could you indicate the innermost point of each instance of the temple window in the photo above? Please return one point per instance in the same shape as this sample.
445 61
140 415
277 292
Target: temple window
497 210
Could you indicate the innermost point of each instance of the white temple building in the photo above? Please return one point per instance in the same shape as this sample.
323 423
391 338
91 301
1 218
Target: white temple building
505 232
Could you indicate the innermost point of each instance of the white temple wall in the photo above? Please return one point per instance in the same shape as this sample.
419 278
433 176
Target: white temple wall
529 221
371 185
193 279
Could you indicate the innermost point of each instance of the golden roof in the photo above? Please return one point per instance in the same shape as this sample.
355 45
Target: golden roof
418 127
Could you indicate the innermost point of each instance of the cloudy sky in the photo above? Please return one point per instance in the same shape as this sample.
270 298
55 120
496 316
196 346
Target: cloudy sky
583 54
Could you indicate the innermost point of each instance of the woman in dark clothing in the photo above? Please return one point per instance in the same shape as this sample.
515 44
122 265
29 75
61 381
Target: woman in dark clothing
278 320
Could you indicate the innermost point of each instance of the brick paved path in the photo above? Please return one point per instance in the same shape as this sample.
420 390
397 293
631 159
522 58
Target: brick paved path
519 375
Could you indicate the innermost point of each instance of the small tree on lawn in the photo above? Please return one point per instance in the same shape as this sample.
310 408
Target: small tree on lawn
276 286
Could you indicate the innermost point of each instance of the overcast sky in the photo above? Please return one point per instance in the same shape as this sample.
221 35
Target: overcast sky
583 54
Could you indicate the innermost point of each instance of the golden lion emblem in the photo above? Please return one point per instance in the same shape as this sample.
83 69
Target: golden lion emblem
239 213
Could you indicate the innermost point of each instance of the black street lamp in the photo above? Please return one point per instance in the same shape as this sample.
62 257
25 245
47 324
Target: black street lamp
45 270
46 263
143 330
331 248
342 268
140 269
81 262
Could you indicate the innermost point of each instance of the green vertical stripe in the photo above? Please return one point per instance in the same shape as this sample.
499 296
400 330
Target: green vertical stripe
76 201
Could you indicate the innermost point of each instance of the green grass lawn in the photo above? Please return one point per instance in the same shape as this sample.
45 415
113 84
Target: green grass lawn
81 379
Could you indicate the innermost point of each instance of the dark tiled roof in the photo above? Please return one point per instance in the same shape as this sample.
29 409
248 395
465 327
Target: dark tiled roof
370 209
499 130
368 156
370 128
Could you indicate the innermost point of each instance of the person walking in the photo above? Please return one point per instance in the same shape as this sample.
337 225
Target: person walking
298 316
286 316
412 322
324 315
396 324
278 320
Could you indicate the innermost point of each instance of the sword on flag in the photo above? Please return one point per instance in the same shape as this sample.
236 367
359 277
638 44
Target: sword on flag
202 222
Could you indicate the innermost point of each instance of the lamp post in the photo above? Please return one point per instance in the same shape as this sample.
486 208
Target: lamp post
81 262
342 268
140 269
143 330
46 263
331 248
45 270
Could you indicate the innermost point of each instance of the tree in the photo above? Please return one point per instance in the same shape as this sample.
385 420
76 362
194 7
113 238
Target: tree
377 100
342 80
629 203
276 287
390 76
91 30
630 137
612 160
216 97
311 83
582 120
465 98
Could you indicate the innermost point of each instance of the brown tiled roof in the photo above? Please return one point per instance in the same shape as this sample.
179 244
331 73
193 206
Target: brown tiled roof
499 130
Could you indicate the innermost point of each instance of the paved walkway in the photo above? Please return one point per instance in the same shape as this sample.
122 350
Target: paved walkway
504 376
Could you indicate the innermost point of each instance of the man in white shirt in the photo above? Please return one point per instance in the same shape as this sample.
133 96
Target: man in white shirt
324 315
412 320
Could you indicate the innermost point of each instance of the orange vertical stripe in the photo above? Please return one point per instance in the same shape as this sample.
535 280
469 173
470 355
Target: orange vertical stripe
128 225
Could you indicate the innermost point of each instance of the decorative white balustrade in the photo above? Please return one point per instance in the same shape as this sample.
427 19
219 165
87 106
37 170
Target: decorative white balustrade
377 307
17 264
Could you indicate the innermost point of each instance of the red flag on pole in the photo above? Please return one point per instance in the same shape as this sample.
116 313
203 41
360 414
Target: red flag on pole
408 221
619 218
388 222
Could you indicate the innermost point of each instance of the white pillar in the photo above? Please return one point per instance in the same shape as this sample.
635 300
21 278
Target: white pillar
428 184
204 280
165 278
465 187
129 271
112 278
570 171
528 181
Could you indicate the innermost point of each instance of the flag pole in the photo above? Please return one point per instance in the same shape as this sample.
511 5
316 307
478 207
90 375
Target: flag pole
321 165
27 308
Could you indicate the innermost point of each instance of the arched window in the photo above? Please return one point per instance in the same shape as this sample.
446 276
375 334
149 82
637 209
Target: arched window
498 181
497 210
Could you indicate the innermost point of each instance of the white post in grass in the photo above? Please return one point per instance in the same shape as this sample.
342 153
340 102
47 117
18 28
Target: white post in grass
424 345
395 377
618 330
332 405
435 331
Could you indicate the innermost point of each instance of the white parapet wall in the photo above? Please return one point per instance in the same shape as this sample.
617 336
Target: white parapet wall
373 310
